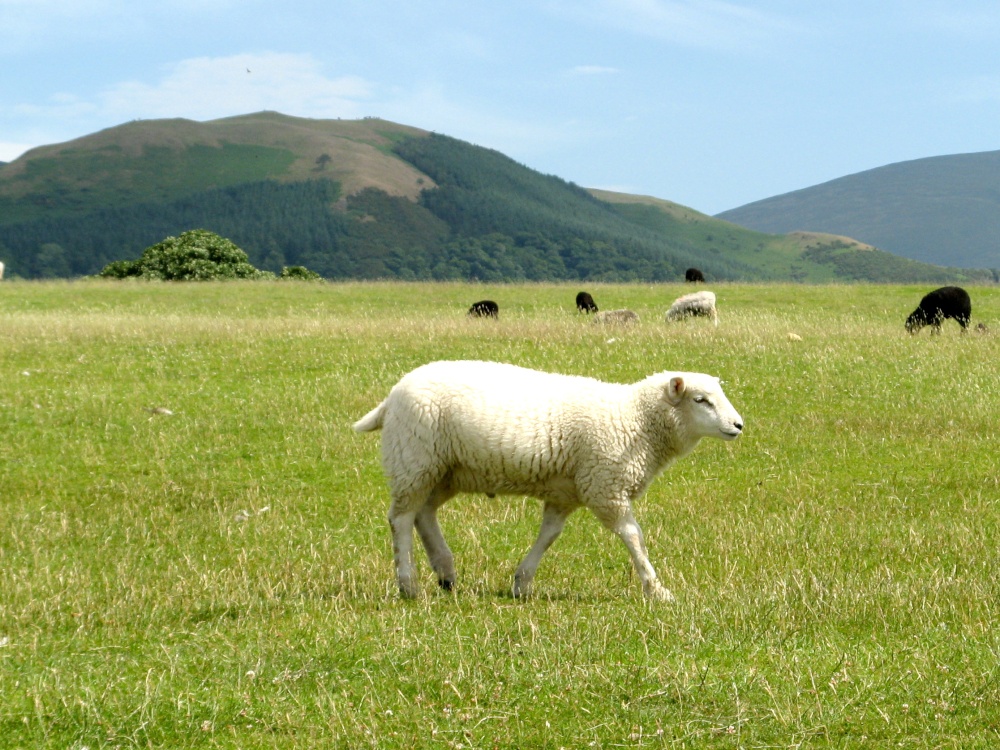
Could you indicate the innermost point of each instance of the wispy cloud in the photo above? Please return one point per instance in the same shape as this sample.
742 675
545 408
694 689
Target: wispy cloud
709 24
206 88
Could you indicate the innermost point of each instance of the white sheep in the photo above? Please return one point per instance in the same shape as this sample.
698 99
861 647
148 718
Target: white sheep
1 269
694 305
572 442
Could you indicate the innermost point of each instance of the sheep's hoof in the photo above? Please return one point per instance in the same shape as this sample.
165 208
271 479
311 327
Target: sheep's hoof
659 593
521 589
409 590
446 584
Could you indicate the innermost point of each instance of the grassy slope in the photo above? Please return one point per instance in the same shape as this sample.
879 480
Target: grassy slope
221 576
802 256
774 254
161 160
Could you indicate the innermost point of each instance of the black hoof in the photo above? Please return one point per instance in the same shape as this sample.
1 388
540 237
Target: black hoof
446 584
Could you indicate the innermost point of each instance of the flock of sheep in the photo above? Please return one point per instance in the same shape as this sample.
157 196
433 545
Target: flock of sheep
696 304
573 442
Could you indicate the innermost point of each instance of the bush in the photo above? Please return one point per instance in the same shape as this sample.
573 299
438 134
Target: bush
197 255
299 273
121 269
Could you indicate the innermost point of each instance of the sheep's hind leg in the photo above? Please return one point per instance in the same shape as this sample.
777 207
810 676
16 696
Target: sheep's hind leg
553 520
625 526
438 553
401 524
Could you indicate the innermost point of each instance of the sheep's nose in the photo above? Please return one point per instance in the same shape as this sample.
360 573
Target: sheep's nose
738 425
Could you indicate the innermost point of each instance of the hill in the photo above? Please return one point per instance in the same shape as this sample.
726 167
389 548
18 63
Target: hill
943 210
374 199
163 160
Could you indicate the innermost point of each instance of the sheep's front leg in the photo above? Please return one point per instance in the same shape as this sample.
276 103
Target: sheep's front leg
553 520
623 523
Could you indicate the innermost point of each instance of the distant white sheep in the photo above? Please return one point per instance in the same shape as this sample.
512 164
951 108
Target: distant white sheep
466 426
693 305
1 269
616 317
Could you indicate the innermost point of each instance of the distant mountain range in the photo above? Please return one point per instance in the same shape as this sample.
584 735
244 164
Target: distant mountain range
943 210
374 199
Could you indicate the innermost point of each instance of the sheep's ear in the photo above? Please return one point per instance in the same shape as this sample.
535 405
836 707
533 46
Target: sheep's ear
674 390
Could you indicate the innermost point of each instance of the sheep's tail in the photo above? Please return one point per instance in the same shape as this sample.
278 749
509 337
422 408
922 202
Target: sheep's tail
372 420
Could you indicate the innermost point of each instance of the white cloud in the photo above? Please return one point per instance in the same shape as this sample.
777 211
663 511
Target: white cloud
206 88
203 88
209 88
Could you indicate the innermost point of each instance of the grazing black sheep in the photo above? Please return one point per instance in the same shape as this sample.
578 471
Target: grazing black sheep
485 308
936 306
585 303
693 275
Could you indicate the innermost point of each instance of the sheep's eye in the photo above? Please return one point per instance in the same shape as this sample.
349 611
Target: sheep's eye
701 400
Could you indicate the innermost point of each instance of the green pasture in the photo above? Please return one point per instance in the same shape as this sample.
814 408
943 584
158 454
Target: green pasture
194 552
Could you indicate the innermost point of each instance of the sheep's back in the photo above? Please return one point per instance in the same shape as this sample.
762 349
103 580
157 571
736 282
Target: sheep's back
505 423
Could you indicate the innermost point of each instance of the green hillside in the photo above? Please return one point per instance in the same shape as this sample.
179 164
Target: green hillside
943 210
372 199
163 160
812 257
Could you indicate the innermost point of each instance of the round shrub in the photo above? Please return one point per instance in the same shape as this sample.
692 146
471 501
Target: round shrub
197 255
299 273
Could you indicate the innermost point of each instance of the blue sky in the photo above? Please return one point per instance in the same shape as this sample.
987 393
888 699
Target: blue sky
709 103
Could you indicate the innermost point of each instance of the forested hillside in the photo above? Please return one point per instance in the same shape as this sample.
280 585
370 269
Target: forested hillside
370 199
559 229
281 222
488 219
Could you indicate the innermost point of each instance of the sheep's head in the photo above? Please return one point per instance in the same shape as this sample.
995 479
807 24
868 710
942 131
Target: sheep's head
708 411
916 321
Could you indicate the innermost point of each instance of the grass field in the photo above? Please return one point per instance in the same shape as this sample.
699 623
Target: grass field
221 576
